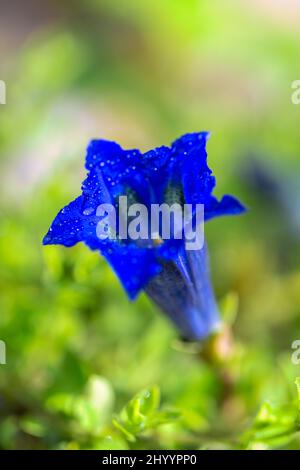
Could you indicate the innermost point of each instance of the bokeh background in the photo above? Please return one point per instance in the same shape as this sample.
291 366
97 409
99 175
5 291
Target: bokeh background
85 368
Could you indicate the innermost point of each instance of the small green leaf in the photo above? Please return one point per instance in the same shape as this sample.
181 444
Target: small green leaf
33 427
130 437
150 400
142 414
229 308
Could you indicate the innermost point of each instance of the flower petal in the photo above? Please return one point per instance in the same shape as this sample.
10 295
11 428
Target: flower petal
228 205
68 227
184 292
191 158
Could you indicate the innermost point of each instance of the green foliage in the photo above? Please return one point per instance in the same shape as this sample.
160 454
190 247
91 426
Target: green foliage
142 414
275 426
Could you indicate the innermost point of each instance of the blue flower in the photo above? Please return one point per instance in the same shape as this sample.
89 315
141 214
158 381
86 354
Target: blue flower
175 278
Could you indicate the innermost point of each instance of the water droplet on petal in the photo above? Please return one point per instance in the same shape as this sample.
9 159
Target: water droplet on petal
88 211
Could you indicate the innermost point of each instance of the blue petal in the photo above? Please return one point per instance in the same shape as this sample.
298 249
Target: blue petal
184 292
193 172
134 266
156 168
78 223
228 205
118 169
67 228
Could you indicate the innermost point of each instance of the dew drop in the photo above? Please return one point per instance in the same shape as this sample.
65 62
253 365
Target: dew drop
88 211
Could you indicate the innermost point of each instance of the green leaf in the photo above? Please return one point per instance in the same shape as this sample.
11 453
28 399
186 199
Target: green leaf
33 427
91 410
229 308
142 414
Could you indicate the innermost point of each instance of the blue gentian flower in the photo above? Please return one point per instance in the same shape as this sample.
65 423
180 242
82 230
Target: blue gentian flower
176 279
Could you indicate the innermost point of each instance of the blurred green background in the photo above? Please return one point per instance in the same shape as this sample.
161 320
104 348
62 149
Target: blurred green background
85 368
